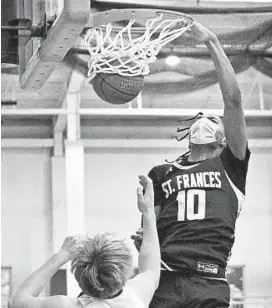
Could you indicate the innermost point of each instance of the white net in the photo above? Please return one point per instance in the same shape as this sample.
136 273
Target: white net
124 55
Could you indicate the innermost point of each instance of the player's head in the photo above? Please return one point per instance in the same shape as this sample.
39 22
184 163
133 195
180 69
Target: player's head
103 265
207 130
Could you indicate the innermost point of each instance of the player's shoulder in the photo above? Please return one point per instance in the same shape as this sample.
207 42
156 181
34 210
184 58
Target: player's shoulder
161 168
158 171
229 158
67 301
61 301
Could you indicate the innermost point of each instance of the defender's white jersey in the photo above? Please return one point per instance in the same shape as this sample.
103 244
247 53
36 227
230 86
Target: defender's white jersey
127 299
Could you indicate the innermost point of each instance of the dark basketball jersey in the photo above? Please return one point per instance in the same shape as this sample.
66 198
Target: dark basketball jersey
200 202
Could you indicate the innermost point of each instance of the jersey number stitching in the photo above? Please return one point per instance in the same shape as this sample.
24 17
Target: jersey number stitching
194 205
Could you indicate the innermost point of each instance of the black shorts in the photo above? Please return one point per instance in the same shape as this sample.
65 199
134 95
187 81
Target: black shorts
177 291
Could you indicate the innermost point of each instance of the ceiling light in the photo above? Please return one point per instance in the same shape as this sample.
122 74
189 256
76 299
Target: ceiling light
172 60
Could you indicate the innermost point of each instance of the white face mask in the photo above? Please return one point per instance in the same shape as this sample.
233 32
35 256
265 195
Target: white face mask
204 131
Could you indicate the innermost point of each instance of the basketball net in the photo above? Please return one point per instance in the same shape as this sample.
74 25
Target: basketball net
128 56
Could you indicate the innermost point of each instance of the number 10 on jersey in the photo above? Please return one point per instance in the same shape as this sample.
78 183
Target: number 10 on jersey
194 206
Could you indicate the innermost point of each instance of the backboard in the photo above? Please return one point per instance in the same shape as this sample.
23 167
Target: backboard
60 22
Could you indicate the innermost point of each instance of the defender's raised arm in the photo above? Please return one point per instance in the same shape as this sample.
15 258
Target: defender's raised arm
147 281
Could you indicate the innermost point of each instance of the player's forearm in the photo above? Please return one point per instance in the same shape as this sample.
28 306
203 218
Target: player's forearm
149 256
34 284
225 73
157 210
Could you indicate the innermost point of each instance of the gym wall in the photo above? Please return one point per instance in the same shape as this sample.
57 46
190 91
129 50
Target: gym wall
110 198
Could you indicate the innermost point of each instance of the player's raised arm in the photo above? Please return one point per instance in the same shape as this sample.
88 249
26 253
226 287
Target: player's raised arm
27 294
149 256
154 175
147 281
234 121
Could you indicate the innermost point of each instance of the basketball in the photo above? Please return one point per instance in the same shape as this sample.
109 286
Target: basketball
117 89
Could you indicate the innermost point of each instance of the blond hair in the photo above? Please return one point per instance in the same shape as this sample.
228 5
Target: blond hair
102 266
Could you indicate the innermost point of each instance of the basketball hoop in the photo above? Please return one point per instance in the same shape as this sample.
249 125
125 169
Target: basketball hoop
129 50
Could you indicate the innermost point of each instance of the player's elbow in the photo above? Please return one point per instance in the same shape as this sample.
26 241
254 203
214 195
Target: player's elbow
157 280
154 278
155 274
152 273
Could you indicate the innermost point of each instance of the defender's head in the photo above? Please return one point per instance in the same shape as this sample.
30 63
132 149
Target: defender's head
103 266
207 130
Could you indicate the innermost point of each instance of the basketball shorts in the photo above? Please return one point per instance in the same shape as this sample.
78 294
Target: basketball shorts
177 291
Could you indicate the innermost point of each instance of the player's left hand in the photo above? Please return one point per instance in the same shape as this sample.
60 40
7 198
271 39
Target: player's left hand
71 245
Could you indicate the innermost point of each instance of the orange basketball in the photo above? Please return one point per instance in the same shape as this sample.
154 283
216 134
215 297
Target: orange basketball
117 89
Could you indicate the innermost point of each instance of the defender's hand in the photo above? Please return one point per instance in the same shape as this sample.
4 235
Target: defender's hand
146 200
145 205
71 245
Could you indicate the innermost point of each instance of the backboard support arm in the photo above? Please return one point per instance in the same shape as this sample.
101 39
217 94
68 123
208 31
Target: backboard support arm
60 38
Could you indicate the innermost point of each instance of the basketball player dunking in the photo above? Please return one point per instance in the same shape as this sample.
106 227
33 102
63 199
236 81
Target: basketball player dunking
198 199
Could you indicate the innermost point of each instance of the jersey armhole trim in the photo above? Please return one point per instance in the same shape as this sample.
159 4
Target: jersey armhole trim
240 196
166 267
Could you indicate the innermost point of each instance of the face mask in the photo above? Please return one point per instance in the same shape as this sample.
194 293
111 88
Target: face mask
204 131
